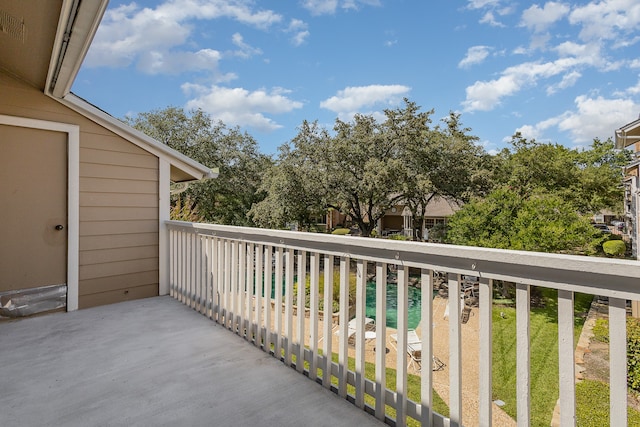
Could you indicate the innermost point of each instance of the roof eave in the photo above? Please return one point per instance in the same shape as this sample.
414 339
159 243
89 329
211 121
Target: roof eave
193 170
78 23
622 137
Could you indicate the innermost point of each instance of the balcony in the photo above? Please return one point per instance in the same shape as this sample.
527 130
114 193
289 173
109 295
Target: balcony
156 362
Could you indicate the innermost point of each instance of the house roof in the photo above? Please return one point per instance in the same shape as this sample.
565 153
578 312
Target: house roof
44 43
628 134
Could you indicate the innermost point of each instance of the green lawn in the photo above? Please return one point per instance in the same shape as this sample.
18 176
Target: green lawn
413 385
592 405
544 355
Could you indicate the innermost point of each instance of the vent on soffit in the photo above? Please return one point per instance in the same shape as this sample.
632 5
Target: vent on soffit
12 26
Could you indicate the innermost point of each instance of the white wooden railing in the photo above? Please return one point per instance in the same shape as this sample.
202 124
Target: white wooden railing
227 272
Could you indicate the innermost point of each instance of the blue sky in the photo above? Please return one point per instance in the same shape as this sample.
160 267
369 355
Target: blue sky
555 71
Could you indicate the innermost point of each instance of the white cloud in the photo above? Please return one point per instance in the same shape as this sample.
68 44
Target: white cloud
489 18
238 106
479 4
475 55
487 95
592 118
568 80
539 19
130 34
353 99
246 50
327 7
157 62
300 31
607 19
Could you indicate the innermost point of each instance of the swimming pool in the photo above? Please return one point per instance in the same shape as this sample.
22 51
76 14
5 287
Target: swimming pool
415 305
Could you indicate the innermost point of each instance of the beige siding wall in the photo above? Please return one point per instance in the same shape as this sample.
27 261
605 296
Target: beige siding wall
118 202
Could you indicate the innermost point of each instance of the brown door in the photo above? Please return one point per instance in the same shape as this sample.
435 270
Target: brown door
33 208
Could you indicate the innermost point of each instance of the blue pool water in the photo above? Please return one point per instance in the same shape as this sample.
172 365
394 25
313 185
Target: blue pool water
415 305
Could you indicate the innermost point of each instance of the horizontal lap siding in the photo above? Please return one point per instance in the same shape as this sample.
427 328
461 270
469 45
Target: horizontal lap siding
118 202
118 221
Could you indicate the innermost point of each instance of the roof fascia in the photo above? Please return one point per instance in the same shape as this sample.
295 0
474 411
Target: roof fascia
78 23
622 139
189 166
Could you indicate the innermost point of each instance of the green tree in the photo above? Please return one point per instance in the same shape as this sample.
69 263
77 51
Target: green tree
227 199
506 219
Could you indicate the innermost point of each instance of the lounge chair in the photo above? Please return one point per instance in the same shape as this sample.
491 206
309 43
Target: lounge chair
369 328
414 351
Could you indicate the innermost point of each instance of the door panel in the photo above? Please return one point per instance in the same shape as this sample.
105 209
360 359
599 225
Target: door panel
33 201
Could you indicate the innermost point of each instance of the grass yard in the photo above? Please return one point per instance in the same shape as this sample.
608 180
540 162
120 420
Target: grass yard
544 355
592 405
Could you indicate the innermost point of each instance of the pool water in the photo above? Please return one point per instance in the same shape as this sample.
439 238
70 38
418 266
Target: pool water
415 305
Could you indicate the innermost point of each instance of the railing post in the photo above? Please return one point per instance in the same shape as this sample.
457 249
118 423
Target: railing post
523 355
485 354
313 317
259 273
361 305
268 280
278 305
618 361
455 351
288 305
381 339
566 359
426 380
401 368
328 321
302 293
343 331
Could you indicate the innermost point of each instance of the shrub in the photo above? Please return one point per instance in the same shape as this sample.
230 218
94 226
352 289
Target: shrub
398 237
633 353
601 333
614 237
601 330
614 247
340 231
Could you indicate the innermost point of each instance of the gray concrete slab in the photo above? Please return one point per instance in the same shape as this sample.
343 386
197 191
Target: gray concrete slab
152 362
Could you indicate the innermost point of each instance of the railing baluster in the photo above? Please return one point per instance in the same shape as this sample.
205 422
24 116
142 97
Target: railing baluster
278 306
200 275
193 269
242 289
381 339
182 259
226 285
485 354
401 368
288 305
343 328
361 296
249 293
455 351
268 278
618 361
219 288
302 293
259 289
172 263
523 367
205 242
313 314
566 359
189 270
328 321
426 373
233 292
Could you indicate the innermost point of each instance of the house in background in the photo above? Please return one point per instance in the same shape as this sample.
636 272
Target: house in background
628 137
84 196
397 220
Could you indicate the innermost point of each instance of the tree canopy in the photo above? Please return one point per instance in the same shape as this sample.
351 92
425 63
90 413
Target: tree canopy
366 166
227 199
544 196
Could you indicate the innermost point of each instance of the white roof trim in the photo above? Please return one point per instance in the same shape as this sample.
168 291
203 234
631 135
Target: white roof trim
622 140
78 23
186 164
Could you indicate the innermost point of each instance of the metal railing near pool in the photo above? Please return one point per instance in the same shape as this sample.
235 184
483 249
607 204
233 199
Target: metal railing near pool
227 274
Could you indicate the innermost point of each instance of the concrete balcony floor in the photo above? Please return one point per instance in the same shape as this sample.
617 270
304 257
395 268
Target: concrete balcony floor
152 362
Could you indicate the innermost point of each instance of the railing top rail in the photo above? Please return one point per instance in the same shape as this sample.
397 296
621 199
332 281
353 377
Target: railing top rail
599 276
